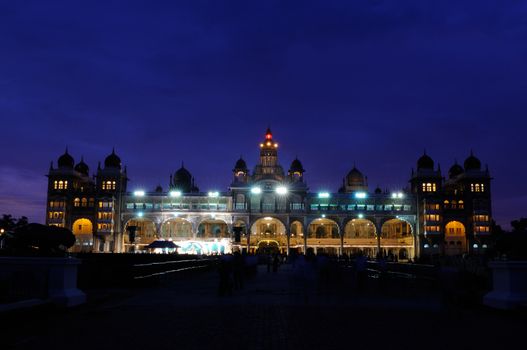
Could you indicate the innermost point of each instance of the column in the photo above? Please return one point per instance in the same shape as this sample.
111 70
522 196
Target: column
288 238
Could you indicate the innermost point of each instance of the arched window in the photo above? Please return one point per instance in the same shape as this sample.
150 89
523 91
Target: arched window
84 202
76 202
460 204
446 204
61 185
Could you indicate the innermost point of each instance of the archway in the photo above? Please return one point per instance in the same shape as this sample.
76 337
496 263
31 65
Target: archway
359 235
83 230
296 236
268 228
213 229
397 237
323 235
455 238
268 246
139 231
176 228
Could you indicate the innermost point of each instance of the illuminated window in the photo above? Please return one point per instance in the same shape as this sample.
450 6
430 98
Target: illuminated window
76 202
432 217
446 204
84 202
65 185
477 187
50 215
481 218
432 206
113 185
429 187
61 185
91 202
432 228
460 205
55 185
454 204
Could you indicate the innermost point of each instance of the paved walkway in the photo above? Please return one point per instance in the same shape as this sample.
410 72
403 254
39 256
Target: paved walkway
273 311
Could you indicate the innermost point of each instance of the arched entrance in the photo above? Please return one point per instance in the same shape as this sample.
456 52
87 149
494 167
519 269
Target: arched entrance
213 229
296 238
455 238
323 235
268 229
360 235
138 233
83 230
176 228
268 246
397 241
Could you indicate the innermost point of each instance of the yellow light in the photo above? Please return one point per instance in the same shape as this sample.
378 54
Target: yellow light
261 145
268 143
276 145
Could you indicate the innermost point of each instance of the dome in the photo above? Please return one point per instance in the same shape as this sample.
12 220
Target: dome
82 167
159 189
425 162
240 165
66 160
472 163
296 166
455 170
355 177
182 176
378 190
112 161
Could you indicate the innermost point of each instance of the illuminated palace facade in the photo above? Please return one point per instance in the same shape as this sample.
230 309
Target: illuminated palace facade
270 209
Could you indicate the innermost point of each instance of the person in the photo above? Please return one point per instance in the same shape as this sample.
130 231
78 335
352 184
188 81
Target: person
238 270
360 268
225 271
276 262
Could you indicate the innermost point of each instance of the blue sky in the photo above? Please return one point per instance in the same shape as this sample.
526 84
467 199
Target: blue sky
339 82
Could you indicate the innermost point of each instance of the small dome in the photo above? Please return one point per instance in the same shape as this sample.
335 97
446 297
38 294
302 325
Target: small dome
159 189
66 161
296 166
378 190
82 167
425 162
472 163
112 161
455 170
355 177
240 165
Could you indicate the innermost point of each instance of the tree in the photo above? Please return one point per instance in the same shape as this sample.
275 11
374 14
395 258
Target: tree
519 225
37 239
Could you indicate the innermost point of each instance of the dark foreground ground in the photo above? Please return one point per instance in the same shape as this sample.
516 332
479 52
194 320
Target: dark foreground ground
283 310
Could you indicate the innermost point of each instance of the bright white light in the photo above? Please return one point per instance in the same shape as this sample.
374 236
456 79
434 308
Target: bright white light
394 195
475 246
214 194
175 193
140 214
426 246
256 190
360 195
400 195
323 215
139 193
484 246
361 216
323 195
281 190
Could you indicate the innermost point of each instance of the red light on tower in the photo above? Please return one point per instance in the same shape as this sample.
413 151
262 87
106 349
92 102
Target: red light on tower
268 136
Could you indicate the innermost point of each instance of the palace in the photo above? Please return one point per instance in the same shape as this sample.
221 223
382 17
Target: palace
271 209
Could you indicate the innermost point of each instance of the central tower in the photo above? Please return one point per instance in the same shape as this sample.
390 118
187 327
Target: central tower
268 167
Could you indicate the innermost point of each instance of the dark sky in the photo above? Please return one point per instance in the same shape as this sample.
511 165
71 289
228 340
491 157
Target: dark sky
370 82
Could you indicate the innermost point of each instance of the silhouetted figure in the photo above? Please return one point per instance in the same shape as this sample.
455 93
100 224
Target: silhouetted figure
238 270
276 262
225 271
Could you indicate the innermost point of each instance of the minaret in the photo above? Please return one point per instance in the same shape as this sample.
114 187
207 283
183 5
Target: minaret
268 152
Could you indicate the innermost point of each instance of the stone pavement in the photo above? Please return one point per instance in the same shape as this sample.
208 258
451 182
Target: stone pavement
282 310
